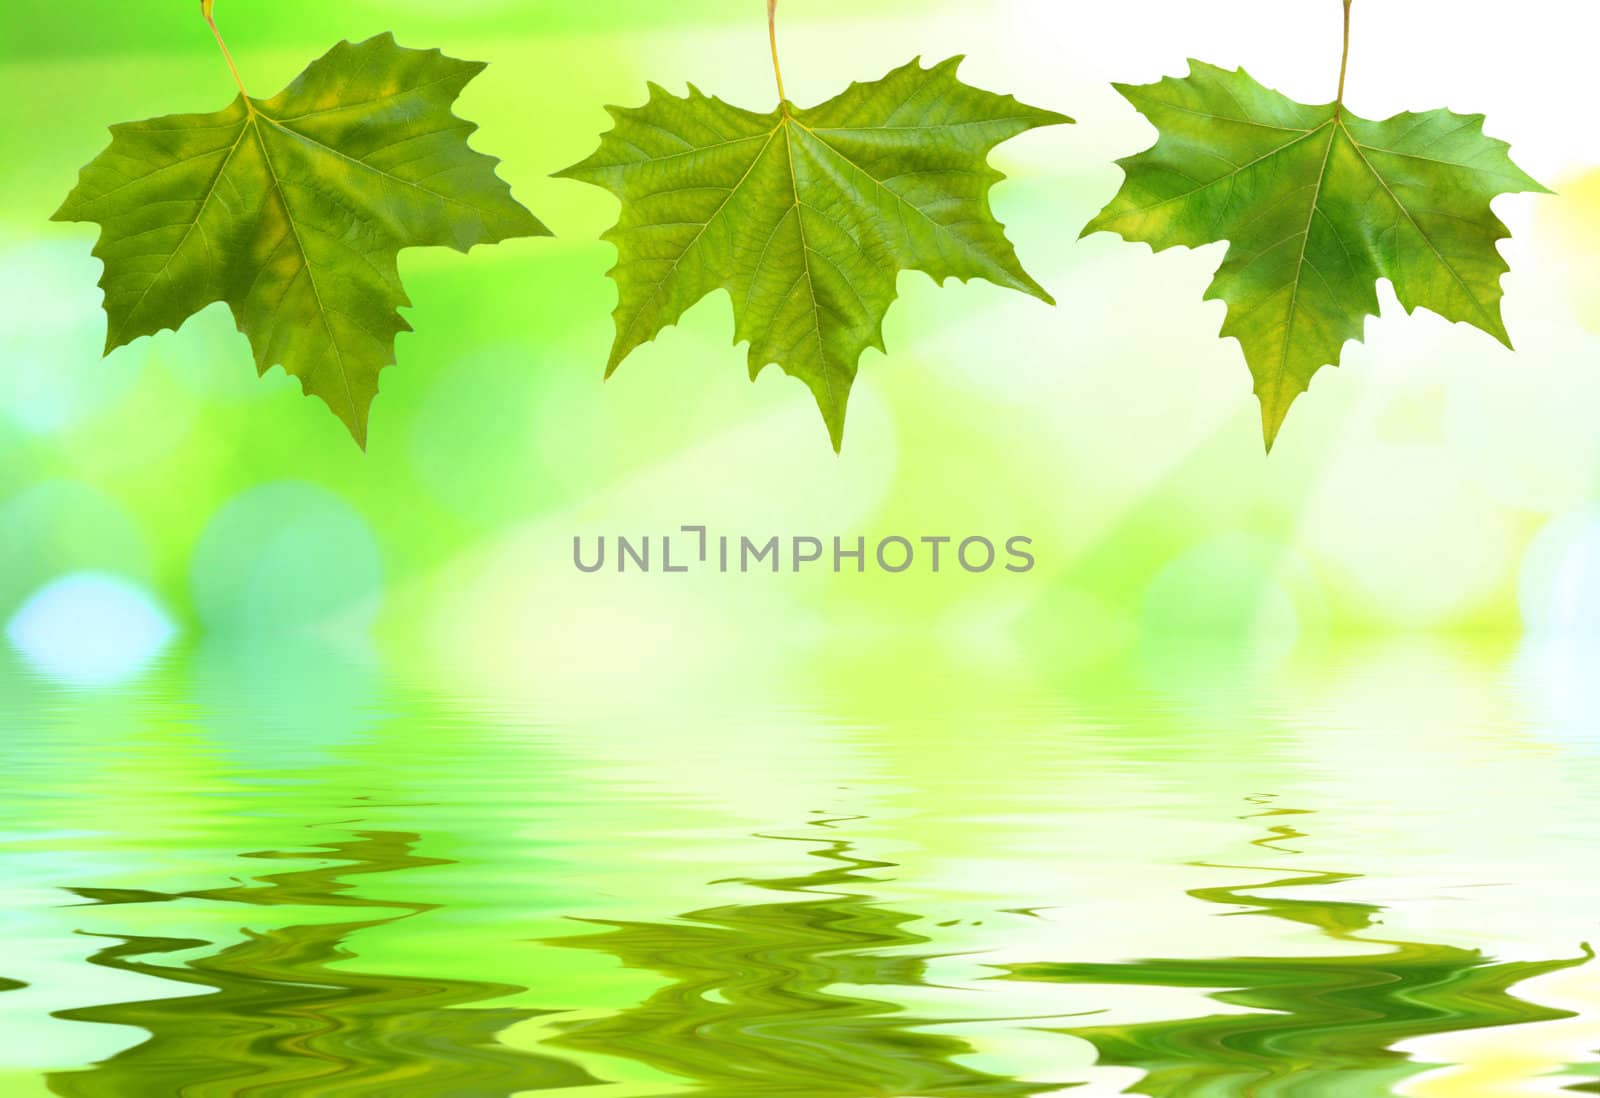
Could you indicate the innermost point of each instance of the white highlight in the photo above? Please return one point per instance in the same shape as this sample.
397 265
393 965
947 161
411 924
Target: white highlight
90 629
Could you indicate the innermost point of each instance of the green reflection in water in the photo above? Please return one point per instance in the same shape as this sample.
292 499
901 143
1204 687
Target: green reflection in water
281 1020
757 1004
1317 1025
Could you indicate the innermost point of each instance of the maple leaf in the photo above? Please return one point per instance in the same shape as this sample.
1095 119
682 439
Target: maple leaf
806 217
1317 205
293 211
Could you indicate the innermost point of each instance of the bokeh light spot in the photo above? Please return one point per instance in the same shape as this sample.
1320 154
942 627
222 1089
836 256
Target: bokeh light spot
90 629
286 556
1559 587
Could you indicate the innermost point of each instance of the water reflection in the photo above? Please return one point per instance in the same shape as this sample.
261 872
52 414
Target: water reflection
284 1016
1310 1025
493 900
772 999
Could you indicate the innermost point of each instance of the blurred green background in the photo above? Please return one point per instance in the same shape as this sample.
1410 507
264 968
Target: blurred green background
1436 482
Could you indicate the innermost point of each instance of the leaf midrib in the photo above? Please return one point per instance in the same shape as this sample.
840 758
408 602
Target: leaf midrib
938 226
1339 126
200 212
1305 247
655 290
312 141
305 260
1495 326
1303 135
805 249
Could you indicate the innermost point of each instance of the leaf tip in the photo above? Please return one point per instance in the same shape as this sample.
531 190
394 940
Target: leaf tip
1275 406
1029 285
579 172
1269 432
358 429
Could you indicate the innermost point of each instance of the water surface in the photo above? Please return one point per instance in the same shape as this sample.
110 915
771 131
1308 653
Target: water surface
264 874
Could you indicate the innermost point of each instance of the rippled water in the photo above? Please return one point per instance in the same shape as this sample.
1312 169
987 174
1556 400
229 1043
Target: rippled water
263 874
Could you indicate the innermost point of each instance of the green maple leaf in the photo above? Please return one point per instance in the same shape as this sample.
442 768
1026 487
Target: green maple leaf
293 210
806 217
1316 205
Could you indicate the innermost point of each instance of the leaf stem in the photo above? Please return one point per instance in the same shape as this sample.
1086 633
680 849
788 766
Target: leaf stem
1344 63
206 7
772 33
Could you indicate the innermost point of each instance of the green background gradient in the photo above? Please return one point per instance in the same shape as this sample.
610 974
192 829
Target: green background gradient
1437 482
